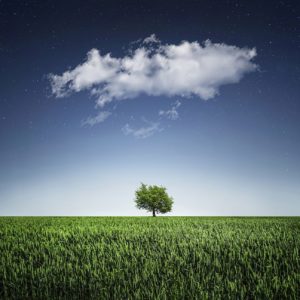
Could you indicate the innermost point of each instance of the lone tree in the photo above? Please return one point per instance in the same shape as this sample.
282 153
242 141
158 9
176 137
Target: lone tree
153 198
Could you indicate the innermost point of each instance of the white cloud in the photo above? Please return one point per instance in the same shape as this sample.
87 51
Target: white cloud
172 113
99 118
187 69
95 71
142 132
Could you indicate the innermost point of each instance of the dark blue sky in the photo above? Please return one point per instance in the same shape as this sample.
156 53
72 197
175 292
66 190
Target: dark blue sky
236 153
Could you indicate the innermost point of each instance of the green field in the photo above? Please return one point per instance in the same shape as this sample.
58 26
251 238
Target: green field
149 258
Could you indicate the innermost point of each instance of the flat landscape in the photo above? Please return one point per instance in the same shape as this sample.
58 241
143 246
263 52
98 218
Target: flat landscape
149 258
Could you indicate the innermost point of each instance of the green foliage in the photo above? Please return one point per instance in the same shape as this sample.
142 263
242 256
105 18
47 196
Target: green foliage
147 258
153 198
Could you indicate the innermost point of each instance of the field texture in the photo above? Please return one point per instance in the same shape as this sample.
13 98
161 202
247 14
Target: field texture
149 258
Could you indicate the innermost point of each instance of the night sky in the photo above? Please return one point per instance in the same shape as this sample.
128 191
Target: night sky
223 138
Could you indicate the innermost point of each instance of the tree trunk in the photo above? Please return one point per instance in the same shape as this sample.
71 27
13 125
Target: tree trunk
153 213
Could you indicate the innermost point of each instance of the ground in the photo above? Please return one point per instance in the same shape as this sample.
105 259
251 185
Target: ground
149 258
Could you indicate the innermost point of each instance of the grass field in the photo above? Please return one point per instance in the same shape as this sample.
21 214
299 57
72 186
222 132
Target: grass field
149 258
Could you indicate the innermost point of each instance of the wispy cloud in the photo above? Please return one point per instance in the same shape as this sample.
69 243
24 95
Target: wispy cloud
172 113
156 69
99 118
142 132
151 39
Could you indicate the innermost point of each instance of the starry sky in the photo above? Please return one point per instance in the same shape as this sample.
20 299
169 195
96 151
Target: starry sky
69 148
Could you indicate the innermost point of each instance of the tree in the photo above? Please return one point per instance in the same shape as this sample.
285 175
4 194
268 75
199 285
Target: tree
153 198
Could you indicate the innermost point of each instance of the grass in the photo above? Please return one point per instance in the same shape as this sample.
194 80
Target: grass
149 258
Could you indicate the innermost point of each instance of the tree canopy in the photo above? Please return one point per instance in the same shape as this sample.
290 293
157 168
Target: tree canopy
153 198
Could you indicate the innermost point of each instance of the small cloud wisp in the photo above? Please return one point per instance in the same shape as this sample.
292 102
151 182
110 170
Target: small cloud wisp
99 118
142 132
172 113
